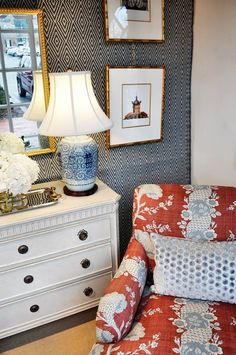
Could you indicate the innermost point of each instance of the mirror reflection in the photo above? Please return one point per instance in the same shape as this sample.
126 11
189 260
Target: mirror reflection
21 53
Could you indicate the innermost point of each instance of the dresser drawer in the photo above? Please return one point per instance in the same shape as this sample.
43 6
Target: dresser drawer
20 281
48 306
41 244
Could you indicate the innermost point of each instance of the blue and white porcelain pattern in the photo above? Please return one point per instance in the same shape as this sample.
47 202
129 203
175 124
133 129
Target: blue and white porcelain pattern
78 158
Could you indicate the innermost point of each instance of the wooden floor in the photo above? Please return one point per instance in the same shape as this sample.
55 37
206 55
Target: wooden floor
75 339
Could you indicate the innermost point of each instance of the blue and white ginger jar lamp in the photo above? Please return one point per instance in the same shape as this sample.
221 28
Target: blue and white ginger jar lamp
73 112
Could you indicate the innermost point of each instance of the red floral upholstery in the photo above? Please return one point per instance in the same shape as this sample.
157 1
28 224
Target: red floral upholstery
118 307
165 324
171 209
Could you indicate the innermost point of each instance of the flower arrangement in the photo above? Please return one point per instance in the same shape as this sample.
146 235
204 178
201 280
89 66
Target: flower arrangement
17 171
9 142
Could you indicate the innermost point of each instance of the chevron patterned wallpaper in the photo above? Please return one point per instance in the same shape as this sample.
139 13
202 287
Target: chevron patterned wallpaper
74 31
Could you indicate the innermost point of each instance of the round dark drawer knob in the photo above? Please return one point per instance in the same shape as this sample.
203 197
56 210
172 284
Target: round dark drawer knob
34 308
83 234
28 279
88 291
85 263
23 249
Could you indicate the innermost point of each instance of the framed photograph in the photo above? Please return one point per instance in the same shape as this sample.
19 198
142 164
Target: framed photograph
135 104
134 20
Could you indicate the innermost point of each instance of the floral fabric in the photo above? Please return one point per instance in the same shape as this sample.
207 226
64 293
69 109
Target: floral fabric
168 325
186 211
119 304
131 320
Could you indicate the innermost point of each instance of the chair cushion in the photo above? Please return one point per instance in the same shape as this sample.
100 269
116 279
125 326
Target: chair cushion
186 211
199 270
167 325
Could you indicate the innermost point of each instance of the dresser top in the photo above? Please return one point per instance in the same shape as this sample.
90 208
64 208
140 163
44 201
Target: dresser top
66 204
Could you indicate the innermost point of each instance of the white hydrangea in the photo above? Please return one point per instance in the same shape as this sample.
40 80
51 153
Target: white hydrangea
17 172
9 142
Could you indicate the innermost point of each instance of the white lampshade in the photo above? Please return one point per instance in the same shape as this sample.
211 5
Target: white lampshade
36 110
73 109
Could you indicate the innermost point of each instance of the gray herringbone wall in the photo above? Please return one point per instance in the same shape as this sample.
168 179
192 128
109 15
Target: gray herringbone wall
74 31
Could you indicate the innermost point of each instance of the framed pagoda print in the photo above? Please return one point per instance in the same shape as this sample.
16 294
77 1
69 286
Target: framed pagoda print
134 20
135 104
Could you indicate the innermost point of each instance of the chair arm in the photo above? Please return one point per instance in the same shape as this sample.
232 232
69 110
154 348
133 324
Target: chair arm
118 306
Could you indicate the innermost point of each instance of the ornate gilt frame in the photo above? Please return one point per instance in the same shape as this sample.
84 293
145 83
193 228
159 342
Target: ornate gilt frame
108 133
106 27
39 13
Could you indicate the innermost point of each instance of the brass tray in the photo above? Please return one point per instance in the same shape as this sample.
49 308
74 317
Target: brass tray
34 198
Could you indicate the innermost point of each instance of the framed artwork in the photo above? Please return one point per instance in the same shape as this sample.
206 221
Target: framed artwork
134 20
135 104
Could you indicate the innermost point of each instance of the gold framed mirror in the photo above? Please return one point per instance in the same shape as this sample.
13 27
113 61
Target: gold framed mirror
22 51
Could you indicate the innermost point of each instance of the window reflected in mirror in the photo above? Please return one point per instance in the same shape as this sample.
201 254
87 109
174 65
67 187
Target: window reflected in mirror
20 55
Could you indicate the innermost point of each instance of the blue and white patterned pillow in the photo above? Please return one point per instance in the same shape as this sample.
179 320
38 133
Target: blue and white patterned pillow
201 270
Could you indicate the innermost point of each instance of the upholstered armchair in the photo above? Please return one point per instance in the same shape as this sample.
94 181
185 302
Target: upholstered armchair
185 234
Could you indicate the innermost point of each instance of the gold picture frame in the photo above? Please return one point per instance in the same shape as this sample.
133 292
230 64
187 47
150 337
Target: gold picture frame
141 21
135 104
39 14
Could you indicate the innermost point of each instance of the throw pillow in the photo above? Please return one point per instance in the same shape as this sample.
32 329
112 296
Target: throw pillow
201 270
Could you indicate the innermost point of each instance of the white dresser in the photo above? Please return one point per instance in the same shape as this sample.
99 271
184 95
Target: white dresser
57 260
